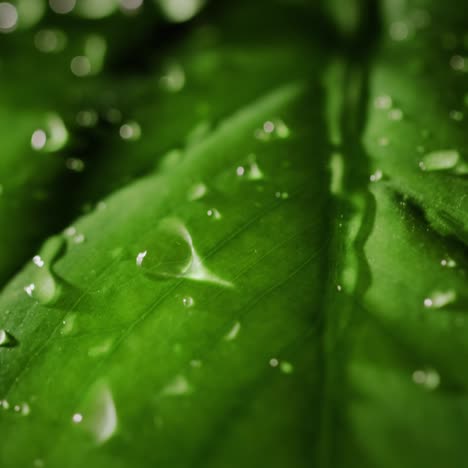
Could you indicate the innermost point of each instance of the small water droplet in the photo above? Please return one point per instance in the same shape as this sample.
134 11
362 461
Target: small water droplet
383 141
440 299
457 62
274 362
75 164
79 238
7 340
428 378
213 213
233 332
456 115
448 262
130 131
52 136
37 260
440 160
188 301
197 191
77 418
140 257
383 102
286 367
179 386
5 404
173 79
376 176
395 114
272 129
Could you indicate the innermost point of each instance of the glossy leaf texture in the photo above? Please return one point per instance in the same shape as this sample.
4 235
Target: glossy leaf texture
271 269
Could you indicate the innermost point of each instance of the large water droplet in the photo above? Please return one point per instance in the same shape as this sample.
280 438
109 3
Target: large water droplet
440 160
98 415
7 340
45 287
173 255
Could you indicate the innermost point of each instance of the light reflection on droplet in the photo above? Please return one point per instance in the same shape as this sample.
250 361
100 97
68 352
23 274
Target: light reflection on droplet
376 176
197 191
440 299
62 7
80 66
7 340
233 332
77 418
214 213
38 139
440 160
130 131
8 17
428 378
37 260
448 262
188 301
50 40
179 11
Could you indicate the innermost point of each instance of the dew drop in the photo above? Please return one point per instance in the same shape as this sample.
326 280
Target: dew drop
197 192
233 332
188 301
448 262
173 79
440 160
286 367
140 257
274 362
7 340
427 378
130 131
173 255
395 114
383 102
178 387
214 213
440 299
52 135
45 287
376 176
272 129
98 415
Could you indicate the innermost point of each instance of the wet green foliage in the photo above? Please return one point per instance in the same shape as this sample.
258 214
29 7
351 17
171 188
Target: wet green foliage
233 234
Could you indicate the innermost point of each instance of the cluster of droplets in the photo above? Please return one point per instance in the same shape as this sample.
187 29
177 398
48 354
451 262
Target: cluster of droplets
285 366
272 129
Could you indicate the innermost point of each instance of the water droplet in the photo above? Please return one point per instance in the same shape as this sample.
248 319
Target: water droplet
173 255
77 418
395 114
173 79
196 363
399 31
87 118
440 160
75 164
274 362
428 378
68 324
272 129
4 404
233 332
179 11
383 141
80 66
50 40
376 176
188 301
130 131
286 367
98 415
7 340
383 102
213 213
456 115
197 191
179 386
8 17
448 262
282 195
440 299
457 62
100 349
52 136
251 170
140 257
79 238
45 287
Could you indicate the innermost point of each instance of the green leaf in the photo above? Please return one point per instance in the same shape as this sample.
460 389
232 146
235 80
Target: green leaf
287 287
